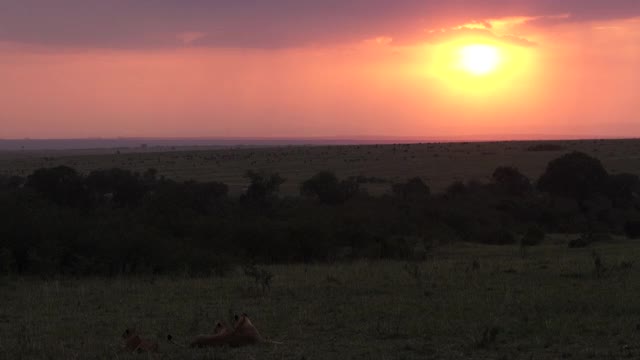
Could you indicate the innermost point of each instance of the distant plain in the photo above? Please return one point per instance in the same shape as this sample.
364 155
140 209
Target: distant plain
438 164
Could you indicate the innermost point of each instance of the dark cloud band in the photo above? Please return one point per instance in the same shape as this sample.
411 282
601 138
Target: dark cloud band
265 24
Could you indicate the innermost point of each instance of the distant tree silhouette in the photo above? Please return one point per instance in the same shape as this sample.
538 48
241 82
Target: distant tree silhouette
414 188
511 181
124 187
326 187
262 186
575 175
623 189
62 185
578 176
456 188
11 182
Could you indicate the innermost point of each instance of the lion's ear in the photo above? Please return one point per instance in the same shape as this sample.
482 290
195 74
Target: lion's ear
236 317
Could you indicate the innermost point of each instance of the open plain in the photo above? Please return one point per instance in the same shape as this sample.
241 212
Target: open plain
463 302
438 164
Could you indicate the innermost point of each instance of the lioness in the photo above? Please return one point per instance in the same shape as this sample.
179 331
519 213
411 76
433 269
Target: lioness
243 333
133 342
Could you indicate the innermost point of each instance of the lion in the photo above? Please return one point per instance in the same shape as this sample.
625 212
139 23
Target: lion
133 342
219 337
243 333
221 328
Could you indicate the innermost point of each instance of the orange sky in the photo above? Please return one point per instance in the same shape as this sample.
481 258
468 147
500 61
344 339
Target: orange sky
557 78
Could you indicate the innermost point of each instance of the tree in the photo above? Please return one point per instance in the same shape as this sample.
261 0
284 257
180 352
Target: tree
511 181
124 187
262 186
326 187
622 189
575 175
62 185
414 188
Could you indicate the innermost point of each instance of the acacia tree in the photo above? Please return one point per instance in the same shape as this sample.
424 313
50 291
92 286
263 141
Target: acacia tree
414 188
511 181
326 187
262 186
577 176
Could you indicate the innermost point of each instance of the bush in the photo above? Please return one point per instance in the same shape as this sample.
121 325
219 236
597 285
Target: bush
632 229
263 187
457 188
534 236
122 187
578 243
414 188
326 187
510 181
622 189
62 185
7 262
496 237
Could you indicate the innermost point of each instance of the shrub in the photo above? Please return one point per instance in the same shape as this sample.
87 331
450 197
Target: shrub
623 188
534 236
414 188
456 188
62 185
632 229
496 237
262 186
578 243
511 181
326 187
7 261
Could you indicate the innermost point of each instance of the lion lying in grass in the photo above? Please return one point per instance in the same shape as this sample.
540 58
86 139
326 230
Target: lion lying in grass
133 342
243 333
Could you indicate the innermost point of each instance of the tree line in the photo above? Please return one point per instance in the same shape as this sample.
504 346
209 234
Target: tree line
114 221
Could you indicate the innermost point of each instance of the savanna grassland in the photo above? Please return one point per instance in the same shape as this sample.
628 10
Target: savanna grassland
513 250
462 302
438 164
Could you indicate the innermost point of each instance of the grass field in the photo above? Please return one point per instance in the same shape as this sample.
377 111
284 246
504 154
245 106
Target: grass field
463 302
438 164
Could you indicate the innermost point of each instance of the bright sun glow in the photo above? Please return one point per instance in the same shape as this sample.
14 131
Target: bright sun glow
479 68
479 59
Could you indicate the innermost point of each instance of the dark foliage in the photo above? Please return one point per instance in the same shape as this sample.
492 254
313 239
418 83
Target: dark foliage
575 175
263 188
578 243
534 236
624 189
511 181
109 222
413 189
326 187
632 229
545 147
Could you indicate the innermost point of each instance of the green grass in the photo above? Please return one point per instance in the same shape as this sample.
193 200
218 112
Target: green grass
438 164
549 305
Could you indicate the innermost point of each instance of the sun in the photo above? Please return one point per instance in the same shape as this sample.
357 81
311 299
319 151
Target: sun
478 59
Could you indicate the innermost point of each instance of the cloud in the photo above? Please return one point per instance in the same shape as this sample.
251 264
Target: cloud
491 29
189 37
270 24
447 34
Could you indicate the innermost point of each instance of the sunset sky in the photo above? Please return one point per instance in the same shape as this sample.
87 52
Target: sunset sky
319 68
